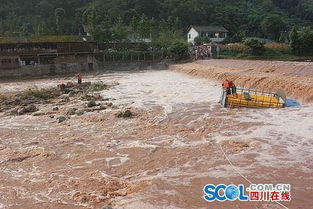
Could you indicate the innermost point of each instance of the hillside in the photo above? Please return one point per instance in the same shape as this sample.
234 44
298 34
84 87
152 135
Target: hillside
164 18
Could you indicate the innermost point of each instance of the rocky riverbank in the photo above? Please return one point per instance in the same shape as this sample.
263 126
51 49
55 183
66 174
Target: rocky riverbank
64 100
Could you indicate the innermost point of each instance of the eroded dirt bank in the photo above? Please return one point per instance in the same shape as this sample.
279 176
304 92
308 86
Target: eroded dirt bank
160 157
295 78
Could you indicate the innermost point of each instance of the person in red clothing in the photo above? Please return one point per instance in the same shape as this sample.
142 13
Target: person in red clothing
79 78
232 87
226 85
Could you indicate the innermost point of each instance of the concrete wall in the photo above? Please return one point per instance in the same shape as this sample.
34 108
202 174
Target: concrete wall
46 70
9 62
73 68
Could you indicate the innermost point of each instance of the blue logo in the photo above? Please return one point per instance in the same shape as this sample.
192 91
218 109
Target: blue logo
223 193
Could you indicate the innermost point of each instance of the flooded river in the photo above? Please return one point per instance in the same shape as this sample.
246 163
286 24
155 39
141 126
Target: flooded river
162 157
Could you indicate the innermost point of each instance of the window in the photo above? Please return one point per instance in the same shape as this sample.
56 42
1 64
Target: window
189 36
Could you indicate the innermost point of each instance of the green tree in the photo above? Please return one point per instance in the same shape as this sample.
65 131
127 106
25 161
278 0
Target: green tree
28 29
294 41
198 41
119 31
168 18
179 50
144 27
256 46
272 26
302 41
102 32
59 20
202 40
238 37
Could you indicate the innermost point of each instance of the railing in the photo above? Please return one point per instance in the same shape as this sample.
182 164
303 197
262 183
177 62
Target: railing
11 52
259 99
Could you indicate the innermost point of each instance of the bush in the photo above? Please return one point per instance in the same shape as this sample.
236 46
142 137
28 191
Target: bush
202 40
179 51
98 86
256 46
40 93
198 41
236 38
235 48
302 41
284 48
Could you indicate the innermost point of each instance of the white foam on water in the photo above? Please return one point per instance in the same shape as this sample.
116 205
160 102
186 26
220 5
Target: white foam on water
122 158
95 160
290 129
162 88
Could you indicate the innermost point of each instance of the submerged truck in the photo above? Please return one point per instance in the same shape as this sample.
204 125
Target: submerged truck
252 99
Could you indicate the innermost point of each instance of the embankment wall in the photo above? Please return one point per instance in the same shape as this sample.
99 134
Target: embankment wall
72 68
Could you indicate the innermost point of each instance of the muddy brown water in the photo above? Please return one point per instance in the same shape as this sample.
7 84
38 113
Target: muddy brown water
160 158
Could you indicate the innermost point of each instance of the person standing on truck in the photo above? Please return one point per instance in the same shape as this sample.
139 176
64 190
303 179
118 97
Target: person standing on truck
232 87
226 86
79 78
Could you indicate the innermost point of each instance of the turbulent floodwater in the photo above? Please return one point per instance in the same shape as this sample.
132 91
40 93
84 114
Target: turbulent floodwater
162 157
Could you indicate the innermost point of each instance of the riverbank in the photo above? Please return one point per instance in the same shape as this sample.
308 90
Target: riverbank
295 78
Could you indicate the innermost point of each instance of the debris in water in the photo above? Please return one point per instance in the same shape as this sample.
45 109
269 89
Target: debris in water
71 111
125 114
92 103
28 109
61 119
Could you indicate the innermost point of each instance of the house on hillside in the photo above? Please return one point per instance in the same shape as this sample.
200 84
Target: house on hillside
217 34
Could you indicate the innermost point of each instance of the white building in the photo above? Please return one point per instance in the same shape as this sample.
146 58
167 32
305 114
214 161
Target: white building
215 33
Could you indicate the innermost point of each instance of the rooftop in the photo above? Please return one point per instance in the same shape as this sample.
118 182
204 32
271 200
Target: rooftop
40 39
209 28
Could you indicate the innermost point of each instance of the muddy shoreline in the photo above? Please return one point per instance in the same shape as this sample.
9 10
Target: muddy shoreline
295 78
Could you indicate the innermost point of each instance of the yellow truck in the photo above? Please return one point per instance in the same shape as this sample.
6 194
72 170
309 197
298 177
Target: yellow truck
252 99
